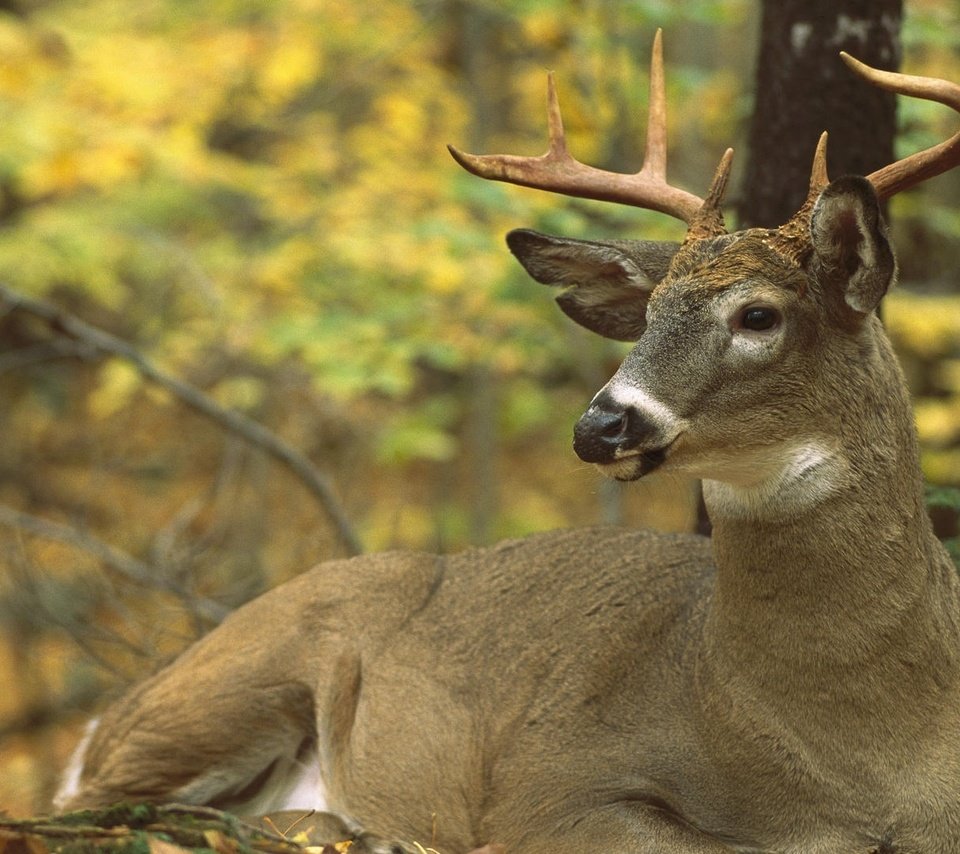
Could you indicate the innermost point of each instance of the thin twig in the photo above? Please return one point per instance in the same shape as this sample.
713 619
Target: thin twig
119 561
52 712
252 431
25 357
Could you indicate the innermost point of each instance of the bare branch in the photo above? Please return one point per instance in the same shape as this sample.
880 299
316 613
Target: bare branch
46 713
25 357
251 431
115 559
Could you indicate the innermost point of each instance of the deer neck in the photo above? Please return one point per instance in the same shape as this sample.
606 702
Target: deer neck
831 560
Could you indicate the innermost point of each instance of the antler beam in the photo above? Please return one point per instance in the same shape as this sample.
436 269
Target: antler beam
559 172
918 167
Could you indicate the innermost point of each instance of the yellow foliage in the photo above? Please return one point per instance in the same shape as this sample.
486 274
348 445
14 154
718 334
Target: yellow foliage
292 61
942 466
118 382
444 274
281 272
948 374
243 393
717 105
928 325
399 524
544 26
938 421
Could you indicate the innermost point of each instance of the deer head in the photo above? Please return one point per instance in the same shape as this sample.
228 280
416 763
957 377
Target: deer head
736 333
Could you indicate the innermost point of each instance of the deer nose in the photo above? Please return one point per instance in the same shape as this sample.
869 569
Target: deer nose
602 431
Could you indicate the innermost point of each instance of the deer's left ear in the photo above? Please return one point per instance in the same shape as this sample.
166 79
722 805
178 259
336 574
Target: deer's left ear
850 241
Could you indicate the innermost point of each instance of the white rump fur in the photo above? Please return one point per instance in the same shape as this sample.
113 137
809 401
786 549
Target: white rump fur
70 783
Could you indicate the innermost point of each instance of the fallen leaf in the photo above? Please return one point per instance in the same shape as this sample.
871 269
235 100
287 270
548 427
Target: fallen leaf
159 846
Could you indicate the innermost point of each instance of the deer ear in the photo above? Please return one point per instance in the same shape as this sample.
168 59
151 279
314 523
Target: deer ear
607 283
850 240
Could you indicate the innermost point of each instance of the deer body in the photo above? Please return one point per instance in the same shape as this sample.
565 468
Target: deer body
791 686
795 686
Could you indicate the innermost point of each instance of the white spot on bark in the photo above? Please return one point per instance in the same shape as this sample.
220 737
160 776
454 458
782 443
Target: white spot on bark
851 29
891 23
800 34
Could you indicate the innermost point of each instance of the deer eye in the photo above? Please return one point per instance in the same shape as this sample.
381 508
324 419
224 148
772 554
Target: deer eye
758 318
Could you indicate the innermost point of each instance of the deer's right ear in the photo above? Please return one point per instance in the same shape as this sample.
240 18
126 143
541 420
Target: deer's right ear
607 283
850 240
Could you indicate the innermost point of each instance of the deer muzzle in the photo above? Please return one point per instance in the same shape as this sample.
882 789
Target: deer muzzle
623 440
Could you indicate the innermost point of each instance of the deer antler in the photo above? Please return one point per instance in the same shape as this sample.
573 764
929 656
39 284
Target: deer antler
925 164
559 172
792 239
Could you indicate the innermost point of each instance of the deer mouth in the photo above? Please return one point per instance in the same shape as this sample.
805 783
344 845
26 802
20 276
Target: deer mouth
635 463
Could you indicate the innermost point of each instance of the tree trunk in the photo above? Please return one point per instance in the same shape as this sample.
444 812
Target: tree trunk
803 89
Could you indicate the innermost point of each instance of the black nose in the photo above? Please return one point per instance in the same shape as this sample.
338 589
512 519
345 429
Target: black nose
605 429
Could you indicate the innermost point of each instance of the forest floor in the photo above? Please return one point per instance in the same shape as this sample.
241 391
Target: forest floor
144 829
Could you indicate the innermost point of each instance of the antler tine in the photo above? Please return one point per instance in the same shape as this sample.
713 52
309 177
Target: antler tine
556 135
918 167
655 153
559 172
792 239
708 221
819 178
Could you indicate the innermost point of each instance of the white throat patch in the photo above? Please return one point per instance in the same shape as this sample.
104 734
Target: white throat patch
785 481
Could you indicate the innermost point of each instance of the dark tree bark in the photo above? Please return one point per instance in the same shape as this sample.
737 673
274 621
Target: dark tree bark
803 89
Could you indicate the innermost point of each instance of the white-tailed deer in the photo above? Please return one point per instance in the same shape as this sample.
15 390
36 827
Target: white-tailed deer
791 686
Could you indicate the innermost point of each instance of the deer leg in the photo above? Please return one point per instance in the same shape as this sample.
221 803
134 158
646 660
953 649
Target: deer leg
160 745
229 724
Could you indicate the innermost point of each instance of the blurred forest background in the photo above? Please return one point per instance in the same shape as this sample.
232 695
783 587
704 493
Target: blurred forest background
253 199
